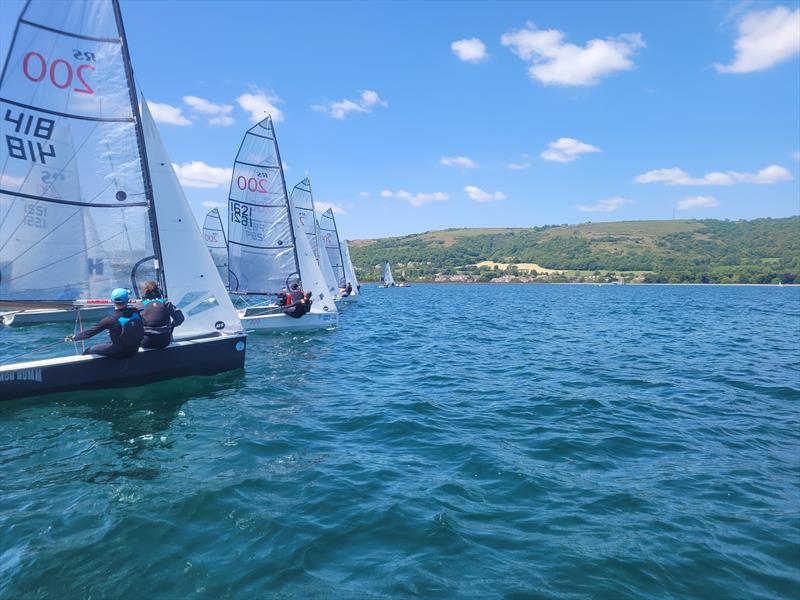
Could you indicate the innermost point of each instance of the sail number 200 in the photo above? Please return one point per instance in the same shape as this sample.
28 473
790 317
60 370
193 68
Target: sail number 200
61 73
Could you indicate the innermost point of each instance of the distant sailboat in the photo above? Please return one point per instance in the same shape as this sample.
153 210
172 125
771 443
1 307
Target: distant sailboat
387 280
130 217
217 245
268 249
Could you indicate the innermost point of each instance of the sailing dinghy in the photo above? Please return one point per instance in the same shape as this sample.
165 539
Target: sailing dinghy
333 248
350 273
268 249
387 280
303 200
68 70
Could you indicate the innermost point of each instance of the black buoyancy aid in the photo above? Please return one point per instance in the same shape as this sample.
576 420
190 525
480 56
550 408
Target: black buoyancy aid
131 331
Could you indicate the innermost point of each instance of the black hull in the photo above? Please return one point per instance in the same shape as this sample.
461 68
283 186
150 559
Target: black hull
181 359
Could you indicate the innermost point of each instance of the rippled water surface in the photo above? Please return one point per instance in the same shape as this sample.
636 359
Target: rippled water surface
445 441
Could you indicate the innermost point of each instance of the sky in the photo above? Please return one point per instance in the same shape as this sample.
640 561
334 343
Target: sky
415 116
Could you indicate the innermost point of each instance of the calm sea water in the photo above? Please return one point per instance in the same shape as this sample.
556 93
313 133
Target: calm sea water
444 442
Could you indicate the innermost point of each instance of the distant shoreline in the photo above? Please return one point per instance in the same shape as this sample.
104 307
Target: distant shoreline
411 283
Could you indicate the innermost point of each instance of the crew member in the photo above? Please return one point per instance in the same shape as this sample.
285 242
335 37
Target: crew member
299 308
160 316
124 326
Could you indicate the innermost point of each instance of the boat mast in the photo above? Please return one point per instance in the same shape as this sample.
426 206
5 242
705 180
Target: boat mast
148 185
288 202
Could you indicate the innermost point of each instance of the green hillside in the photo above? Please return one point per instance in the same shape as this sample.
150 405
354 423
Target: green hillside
758 251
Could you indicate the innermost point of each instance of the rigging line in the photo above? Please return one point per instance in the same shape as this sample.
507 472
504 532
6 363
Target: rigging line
10 358
65 257
50 185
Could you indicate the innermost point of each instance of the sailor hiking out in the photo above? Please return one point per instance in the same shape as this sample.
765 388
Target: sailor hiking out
125 328
159 315
300 306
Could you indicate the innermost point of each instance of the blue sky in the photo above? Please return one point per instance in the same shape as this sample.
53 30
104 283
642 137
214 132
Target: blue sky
416 116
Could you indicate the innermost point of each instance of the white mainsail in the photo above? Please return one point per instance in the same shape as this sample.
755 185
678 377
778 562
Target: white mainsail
262 256
68 120
330 242
349 271
310 273
217 245
193 283
386 276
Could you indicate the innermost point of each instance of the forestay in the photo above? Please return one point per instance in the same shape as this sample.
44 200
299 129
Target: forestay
193 282
262 256
216 243
330 241
76 215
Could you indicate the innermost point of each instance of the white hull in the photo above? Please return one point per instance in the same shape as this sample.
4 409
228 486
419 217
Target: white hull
280 322
350 298
37 316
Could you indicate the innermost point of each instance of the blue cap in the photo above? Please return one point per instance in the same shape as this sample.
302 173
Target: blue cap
119 295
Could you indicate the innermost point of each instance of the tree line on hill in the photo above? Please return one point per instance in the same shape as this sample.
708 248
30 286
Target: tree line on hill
686 251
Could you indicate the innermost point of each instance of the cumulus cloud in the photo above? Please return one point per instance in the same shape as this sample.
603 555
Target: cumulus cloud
476 194
339 109
210 204
218 114
518 166
458 161
197 174
260 104
674 176
554 61
766 37
605 205
321 207
471 50
168 114
566 150
364 194
416 199
698 202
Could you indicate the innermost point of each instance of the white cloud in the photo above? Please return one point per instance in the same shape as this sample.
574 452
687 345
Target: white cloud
766 37
209 204
416 199
260 104
197 174
218 114
471 50
364 194
554 61
321 207
339 109
458 161
478 195
518 166
698 202
166 113
566 150
605 205
674 176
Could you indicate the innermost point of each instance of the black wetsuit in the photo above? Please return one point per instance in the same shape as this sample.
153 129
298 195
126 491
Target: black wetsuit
298 309
349 288
160 318
126 330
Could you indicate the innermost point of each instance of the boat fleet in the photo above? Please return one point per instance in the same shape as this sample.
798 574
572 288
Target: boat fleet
89 201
